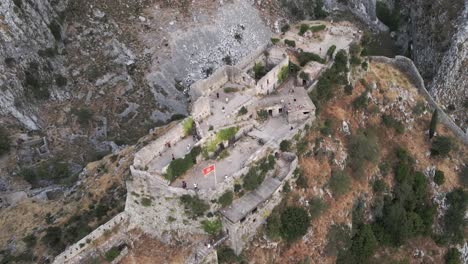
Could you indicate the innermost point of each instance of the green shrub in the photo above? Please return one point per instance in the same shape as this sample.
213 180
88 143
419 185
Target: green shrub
463 176
379 186
331 51
454 219
188 126
453 256
112 253
317 28
304 75
290 43
319 12
305 57
4 141
390 121
327 128
226 255
441 146
60 80
338 238
439 177
84 115
212 227
145 201
194 205
283 74
259 70
301 180
273 225
303 29
30 240
285 28
363 244
348 89
242 111
257 173
433 125
275 40
180 166
56 30
285 145
294 223
389 18
361 102
317 207
339 183
230 90
362 147
226 198
262 115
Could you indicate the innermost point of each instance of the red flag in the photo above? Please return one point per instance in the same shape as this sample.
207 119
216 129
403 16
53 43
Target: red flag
208 170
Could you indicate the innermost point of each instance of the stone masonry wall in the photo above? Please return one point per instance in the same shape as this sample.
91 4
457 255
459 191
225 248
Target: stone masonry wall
269 82
146 154
407 66
72 254
241 233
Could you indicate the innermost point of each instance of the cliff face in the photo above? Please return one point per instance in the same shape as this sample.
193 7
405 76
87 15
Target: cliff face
435 33
30 40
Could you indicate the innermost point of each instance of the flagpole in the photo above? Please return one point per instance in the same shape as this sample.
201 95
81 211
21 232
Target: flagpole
215 174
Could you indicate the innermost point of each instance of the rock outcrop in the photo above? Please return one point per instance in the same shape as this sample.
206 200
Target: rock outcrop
31 69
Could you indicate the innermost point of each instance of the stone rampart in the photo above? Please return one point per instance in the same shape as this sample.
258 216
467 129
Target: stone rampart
248 61
146 154
407 66
72 254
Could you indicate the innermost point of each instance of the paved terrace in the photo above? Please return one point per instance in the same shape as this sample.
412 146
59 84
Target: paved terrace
239 153
340 34
224 112
247 203
177 150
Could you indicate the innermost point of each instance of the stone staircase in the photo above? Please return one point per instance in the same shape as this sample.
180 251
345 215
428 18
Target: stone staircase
202 252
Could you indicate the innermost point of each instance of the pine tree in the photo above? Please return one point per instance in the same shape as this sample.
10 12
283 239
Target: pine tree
433 126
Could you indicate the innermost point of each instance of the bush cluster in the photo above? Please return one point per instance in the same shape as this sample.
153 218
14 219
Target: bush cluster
290 43
179 166
305 57
362 147
226 198
339 183
194 205
389 121
257 173
212 228
441 146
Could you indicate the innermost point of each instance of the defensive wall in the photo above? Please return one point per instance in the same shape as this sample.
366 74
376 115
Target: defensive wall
268 83
89 244
407 66
258 205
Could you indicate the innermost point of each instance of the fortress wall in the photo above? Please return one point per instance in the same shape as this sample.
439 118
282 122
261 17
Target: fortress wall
235 75
241 233
72 254
407 66
249 61
269 82
146 154
213 82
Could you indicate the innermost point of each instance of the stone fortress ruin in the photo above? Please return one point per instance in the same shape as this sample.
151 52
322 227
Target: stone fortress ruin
239 117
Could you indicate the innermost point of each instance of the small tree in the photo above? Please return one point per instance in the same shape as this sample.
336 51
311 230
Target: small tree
294 223
439 178
453 256
339 183
317 207
363 244
226 198
4 141
212 227
433 125
285 145
441 146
